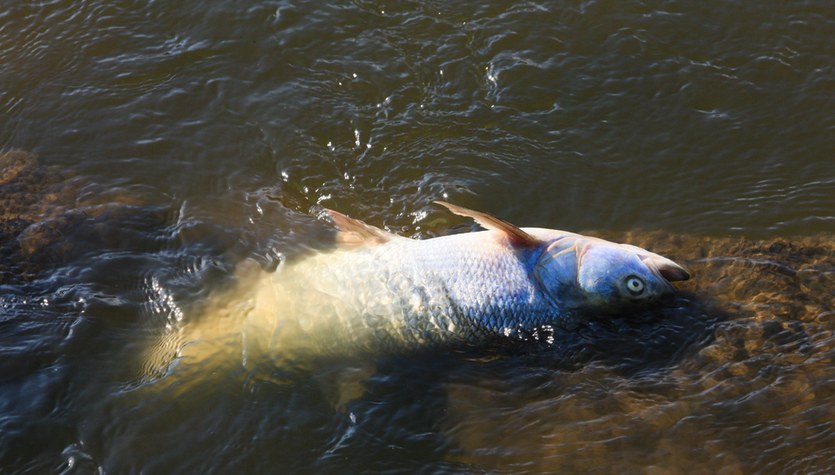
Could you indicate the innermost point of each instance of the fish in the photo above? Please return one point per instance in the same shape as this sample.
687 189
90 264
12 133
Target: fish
379 293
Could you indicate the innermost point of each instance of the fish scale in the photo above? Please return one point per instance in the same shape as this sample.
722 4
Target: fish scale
384 296
376 291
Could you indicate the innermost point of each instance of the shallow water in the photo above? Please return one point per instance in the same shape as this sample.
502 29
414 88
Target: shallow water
175 141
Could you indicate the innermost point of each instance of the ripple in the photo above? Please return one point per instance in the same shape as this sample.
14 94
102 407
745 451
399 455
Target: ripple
186 139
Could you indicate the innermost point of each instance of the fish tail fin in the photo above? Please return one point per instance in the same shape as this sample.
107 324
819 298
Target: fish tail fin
214 338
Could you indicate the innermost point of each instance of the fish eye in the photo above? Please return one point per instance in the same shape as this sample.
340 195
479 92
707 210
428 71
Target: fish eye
634 285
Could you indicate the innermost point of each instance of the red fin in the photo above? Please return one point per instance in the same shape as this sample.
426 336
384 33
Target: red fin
516 236
353 232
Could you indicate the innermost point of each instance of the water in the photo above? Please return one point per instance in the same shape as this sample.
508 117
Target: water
175 141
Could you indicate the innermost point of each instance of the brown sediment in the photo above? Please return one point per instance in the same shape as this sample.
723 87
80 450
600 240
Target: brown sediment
754 394
28 189
734 377
31 196
41 207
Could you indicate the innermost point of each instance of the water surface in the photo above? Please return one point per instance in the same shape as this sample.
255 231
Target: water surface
175 141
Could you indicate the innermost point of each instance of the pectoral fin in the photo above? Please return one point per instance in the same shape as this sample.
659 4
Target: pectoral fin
353 232
515 235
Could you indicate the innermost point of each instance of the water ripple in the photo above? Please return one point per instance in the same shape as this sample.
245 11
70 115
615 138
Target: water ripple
179 140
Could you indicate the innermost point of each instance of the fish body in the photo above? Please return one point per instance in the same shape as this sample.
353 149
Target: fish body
381 292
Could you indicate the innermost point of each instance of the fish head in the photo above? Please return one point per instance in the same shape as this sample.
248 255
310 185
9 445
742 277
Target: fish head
594 274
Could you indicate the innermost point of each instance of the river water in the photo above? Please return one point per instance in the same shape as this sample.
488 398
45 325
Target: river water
174 141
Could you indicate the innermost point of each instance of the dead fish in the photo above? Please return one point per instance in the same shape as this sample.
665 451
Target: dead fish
377 291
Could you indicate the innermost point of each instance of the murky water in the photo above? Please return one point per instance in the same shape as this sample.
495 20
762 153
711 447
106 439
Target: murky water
175 141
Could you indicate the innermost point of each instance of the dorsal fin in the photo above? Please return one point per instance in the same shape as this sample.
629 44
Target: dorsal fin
353 232
516 236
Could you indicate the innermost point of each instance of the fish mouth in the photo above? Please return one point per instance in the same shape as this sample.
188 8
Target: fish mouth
666 268
674 273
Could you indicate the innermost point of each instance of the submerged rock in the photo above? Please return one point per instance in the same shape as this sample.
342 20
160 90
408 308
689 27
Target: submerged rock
33 198
48 215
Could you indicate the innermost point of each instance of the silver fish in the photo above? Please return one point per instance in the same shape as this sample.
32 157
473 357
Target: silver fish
378 291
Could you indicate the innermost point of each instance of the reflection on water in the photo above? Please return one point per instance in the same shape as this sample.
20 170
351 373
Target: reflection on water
174 142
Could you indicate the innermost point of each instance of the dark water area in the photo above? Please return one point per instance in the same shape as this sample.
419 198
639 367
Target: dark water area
146 148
